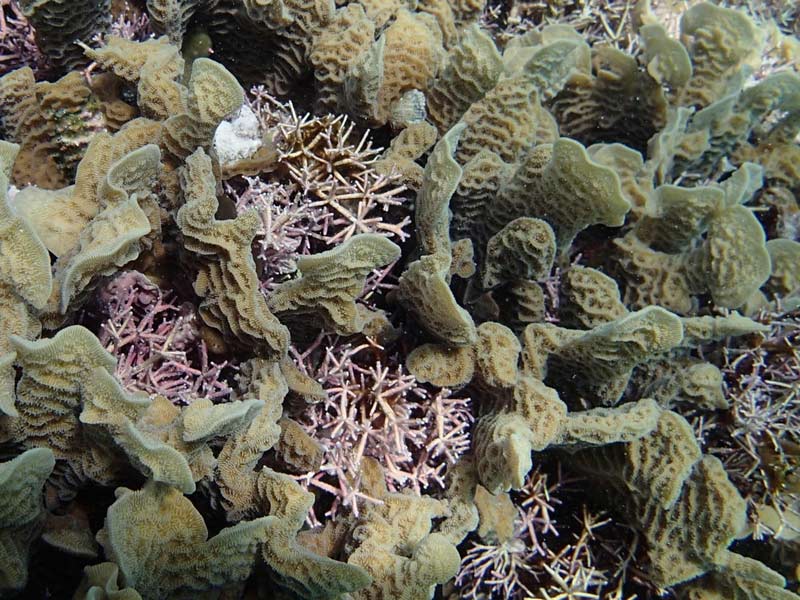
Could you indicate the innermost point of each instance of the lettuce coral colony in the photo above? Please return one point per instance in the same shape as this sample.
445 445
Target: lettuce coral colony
399 300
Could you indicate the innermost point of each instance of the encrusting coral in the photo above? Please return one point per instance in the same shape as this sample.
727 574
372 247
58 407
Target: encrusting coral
389 300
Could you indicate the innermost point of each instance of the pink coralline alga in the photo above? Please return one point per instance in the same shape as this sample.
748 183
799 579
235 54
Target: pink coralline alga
758 438
323 190
506 568
375 408
17 43
131 26
156 342
552 553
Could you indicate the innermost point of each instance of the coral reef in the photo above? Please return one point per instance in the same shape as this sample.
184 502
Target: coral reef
385 300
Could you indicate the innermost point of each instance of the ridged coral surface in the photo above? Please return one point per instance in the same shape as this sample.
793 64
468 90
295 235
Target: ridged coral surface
399 300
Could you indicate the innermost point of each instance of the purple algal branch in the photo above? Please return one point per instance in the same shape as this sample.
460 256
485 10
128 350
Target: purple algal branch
373 407
327 189
136 28
378 280
500 569
763 421
17 41
157 343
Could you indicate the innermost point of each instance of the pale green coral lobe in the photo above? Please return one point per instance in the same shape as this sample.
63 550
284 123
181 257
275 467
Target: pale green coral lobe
374 375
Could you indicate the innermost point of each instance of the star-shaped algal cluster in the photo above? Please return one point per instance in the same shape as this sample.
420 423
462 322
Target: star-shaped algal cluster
156 341
323 188
374 407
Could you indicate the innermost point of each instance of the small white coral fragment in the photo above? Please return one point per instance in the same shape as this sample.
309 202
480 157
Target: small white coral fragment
237 138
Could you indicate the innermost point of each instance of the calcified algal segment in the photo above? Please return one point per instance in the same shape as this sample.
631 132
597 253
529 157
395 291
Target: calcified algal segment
382 300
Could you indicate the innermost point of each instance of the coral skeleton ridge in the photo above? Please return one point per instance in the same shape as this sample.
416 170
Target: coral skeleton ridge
394 300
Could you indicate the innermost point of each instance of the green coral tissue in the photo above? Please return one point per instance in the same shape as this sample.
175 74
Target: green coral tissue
400 300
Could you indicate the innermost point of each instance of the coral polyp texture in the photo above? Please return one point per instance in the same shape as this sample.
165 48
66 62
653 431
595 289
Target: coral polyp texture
389 300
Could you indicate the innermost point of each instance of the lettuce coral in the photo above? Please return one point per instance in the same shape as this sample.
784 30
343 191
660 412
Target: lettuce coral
52 122
114 235
21 481
691 491
184 560
100 581
48 394
394 542
307 573
355 331
60 24
329 282
234 302
25 280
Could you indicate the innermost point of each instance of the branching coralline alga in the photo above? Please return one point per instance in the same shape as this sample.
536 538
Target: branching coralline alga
374 407
155 340
388 300
17 44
